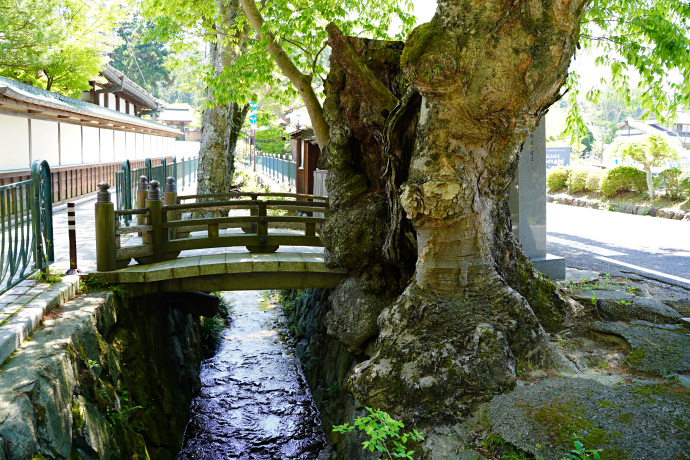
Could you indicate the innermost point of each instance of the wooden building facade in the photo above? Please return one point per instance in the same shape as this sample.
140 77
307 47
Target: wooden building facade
306 153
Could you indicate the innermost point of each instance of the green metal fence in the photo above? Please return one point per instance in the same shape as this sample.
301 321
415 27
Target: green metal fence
26 227
278 167
126 180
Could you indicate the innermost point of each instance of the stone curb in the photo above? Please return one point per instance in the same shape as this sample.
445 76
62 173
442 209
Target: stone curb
28 318
620 207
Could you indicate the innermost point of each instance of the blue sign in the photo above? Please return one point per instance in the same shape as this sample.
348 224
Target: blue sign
557 156
253 119
253 105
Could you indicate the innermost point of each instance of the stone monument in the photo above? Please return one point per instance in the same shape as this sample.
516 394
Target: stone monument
528 205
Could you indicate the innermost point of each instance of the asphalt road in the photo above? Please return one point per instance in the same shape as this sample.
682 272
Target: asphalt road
620 244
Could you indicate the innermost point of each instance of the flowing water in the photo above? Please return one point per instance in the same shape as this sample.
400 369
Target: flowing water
254 402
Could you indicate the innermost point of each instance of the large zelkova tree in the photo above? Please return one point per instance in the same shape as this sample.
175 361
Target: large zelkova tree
486 73
439 128
652 150
58 45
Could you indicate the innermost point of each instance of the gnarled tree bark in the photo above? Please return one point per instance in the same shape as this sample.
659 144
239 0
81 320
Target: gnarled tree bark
486 71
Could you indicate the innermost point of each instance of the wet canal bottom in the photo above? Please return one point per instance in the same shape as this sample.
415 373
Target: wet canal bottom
254 402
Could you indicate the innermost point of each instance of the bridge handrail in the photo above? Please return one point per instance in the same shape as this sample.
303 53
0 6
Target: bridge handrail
243 204
165 233
132 212
242 220
257 194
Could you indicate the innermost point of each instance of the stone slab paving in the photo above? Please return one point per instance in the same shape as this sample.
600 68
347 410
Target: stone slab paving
20 318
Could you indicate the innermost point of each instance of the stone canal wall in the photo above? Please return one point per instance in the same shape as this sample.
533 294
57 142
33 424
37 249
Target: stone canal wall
106 378
327 364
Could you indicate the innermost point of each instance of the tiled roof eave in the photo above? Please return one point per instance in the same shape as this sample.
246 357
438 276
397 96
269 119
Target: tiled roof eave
125 121
130 88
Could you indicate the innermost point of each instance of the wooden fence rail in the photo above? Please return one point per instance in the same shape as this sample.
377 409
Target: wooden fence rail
76 180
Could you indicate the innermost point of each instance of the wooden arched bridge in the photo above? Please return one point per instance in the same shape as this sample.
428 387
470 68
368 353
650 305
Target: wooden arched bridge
218 242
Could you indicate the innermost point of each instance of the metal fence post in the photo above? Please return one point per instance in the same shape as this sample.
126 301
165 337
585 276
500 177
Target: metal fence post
126 191
42 215
147 165
106 259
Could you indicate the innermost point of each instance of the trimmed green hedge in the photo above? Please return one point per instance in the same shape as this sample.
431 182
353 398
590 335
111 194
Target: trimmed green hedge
669 179
577 182
557 178
593 182
623 179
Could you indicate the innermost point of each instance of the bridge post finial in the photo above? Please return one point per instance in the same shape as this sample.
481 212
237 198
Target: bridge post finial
154 191
106 258
143 183
103 195
170 185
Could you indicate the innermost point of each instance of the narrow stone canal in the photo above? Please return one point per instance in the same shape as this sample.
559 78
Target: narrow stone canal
254 402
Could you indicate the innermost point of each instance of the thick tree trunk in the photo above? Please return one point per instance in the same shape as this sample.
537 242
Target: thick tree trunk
221 123
486 72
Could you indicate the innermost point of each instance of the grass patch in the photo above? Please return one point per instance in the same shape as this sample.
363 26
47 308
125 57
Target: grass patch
49 277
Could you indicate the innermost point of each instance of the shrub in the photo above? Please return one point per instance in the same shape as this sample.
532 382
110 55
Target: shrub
385 434
557 178
684 181
669 179
623 179
593 181
577 181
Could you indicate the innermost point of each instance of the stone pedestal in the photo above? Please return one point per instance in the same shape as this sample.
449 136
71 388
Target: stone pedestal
528 205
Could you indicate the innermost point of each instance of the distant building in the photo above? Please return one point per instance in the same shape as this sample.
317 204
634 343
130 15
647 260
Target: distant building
179 118
39 124
306 153
679 131
121 94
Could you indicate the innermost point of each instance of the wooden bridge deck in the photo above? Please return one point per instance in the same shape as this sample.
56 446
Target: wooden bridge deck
226 271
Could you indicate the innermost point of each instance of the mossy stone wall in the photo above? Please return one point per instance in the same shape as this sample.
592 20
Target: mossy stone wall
108 379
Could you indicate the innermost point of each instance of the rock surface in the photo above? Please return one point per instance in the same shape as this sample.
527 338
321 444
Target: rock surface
638 308
656 349
626 422
106 379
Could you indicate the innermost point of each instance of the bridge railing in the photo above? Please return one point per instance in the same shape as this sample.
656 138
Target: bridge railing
127 180
26 226
167 222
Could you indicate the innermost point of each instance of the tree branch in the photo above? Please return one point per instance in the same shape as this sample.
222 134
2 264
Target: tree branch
298 79
297 44
316 58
